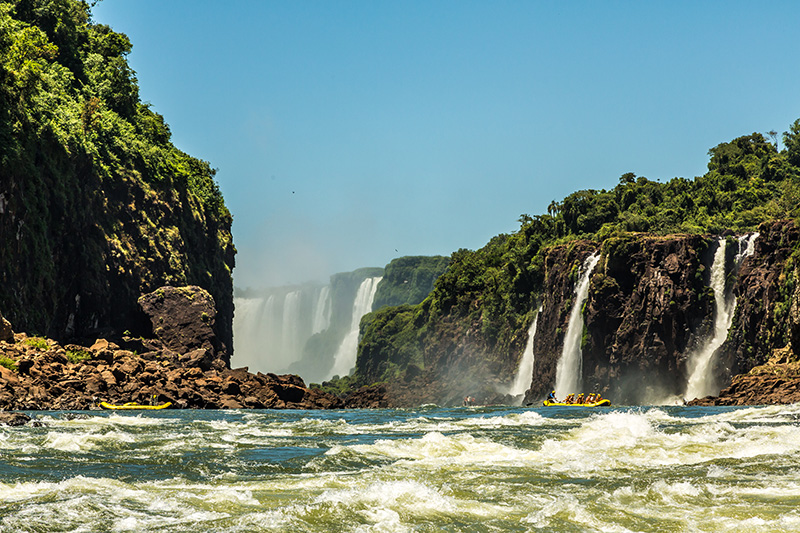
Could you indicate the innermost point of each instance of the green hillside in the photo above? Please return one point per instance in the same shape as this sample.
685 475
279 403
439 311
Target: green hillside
96 204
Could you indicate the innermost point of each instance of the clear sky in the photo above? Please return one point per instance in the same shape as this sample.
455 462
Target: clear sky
348 133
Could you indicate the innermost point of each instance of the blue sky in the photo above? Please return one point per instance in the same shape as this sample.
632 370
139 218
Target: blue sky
348 133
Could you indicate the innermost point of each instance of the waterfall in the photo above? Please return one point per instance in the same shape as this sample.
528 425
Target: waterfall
292 329
701 377
322 311
525 371
345 358
569 371
271 330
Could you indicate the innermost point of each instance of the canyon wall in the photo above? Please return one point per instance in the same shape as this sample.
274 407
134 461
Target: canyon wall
649 310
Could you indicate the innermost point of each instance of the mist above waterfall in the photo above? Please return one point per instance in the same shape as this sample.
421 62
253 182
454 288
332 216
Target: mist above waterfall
271 328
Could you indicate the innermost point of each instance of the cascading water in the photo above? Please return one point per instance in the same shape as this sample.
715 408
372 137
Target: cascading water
345 358
569 370
525 371
322 311
271 331
701 381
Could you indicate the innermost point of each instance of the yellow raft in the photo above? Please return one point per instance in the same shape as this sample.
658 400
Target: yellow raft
133 405
604 402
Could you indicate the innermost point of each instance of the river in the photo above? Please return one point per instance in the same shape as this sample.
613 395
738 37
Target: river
426 469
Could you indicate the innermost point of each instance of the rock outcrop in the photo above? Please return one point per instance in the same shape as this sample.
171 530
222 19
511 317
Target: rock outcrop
46 375
6 332
184 319
14 419
648 303
762 320
776 382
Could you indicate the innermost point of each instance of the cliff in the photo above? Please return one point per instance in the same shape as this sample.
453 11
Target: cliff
651 310
97 206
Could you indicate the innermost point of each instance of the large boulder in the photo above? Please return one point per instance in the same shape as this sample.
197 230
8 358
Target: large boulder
14 419
183 318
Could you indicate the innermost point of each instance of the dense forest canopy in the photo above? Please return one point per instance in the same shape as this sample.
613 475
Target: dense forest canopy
66 78
748 182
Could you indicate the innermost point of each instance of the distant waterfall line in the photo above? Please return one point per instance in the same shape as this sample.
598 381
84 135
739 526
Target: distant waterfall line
569 370
701 379
270 331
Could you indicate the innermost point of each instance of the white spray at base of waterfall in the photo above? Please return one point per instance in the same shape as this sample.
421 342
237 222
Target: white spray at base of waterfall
569 370
345 358
701 381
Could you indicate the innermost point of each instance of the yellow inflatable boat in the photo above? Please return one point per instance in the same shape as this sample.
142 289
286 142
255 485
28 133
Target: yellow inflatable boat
133 405
605 402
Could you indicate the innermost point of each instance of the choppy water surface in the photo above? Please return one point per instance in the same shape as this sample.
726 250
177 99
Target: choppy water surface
428 469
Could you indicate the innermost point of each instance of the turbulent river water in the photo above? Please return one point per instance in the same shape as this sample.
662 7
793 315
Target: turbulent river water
426 469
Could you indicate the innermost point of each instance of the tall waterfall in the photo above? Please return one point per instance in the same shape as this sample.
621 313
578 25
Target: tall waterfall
569 371
525 371
322 311
270 331
701 378
345 358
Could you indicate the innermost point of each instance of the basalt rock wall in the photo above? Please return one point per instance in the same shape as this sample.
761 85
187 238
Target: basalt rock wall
648 305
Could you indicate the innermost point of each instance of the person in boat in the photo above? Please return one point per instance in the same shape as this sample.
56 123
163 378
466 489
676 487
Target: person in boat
580 398
570 398
590 398
552 397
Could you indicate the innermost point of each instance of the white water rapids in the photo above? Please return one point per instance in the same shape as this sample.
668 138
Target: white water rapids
405 470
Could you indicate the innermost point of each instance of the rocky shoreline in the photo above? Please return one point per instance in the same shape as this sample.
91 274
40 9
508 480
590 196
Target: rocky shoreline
184 363
40 374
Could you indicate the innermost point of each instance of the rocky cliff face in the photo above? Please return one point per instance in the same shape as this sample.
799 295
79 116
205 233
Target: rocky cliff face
648 304
648 309
75 266
562 268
